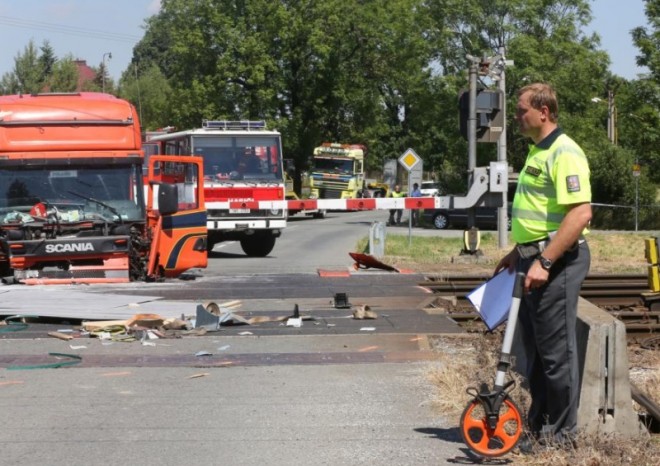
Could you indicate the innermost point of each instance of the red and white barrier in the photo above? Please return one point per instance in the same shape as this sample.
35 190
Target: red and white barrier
378 203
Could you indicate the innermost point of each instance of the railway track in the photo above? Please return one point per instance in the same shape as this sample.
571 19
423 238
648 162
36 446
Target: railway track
626 297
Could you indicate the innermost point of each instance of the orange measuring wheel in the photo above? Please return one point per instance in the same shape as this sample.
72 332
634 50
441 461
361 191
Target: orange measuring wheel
491 434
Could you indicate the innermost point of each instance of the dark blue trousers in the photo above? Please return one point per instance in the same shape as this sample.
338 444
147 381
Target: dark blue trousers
548 317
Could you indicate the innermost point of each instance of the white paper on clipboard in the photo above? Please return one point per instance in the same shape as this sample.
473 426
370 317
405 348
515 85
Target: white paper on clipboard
493 299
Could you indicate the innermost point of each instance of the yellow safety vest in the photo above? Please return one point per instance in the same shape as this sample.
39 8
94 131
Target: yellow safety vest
555 175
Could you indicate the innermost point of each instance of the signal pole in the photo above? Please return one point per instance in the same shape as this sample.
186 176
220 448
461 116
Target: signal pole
502 212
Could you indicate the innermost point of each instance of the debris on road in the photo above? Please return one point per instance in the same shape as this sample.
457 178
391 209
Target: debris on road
60 335
364 312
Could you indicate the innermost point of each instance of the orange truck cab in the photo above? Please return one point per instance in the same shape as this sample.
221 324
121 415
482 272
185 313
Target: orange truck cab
73 204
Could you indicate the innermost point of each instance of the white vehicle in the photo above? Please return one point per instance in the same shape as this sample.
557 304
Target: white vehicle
242 166
430 188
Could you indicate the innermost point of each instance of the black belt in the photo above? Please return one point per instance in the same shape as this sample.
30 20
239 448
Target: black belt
535 248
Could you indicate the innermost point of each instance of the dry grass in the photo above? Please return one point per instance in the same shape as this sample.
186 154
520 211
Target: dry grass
610 253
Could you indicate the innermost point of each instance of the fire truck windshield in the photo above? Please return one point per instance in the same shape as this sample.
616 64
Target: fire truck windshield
228 158
108 193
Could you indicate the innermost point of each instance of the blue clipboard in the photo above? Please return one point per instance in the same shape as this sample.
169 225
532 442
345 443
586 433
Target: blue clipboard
492 299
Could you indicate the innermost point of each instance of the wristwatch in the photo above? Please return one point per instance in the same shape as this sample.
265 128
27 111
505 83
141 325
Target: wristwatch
546 263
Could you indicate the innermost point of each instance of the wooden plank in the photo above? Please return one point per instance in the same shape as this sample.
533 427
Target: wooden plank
61 336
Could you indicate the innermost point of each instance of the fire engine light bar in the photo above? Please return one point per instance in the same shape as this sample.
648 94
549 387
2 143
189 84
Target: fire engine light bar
226 124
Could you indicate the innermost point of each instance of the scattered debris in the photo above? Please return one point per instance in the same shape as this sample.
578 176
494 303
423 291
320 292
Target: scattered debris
196 376
211 317
365 261
294 322
14 323
60 335
341 301
145 320
364 312
70 360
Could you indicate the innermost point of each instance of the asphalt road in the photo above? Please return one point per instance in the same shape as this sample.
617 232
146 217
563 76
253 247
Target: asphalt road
336 391
308 244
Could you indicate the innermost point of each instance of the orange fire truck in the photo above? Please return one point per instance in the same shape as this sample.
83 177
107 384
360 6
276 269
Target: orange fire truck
243 168
74 206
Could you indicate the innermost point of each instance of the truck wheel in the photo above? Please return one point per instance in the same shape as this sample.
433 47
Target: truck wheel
258 245
209 244
320 214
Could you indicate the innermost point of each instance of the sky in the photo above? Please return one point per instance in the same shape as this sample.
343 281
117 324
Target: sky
107 30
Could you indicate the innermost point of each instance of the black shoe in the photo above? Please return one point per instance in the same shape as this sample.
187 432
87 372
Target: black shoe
527 446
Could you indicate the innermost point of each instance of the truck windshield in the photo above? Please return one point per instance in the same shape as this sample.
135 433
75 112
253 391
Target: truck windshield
230 157
328 165
108 193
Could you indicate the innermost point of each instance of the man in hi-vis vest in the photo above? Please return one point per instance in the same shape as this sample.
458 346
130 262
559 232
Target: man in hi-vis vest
550 215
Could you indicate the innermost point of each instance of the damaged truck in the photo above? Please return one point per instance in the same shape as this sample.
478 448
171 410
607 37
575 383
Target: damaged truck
79 205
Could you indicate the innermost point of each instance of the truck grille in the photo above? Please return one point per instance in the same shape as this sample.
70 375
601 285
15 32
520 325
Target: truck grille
326 193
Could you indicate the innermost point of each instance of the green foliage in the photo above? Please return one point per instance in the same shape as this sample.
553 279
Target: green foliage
64 75
150 93
28 72
34 73
647 40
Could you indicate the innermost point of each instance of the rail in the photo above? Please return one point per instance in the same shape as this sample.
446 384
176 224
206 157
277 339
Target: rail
622 295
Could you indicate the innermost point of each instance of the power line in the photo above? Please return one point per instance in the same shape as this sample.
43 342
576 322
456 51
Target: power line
68 30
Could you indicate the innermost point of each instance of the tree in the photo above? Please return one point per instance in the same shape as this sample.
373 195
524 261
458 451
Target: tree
648 40
545 40
34 73
64 77
47 61
151 94
27 70
317 70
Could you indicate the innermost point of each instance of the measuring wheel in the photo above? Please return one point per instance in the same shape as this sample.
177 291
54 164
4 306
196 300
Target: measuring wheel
491 435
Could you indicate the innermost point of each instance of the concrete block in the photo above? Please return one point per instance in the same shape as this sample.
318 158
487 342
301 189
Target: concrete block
605 395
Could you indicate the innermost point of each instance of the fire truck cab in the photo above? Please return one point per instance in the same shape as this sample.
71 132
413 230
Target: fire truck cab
242 165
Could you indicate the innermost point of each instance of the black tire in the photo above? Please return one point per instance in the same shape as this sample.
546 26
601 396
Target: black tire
320 214
258 245
441 221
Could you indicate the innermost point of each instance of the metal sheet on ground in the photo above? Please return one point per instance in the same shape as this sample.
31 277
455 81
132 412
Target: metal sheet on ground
66 303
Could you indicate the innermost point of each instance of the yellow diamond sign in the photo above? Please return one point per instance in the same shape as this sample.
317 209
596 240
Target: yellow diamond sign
409 159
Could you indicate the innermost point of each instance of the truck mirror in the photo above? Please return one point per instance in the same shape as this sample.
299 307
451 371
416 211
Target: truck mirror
168 199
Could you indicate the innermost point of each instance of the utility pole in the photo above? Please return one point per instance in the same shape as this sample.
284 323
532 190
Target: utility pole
611 118
104 70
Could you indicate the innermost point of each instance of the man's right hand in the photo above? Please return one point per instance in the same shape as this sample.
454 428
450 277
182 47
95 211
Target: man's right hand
509 261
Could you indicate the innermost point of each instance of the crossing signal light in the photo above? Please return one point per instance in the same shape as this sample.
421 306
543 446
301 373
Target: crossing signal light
490 117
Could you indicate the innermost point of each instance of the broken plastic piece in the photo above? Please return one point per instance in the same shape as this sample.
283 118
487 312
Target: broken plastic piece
341 301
